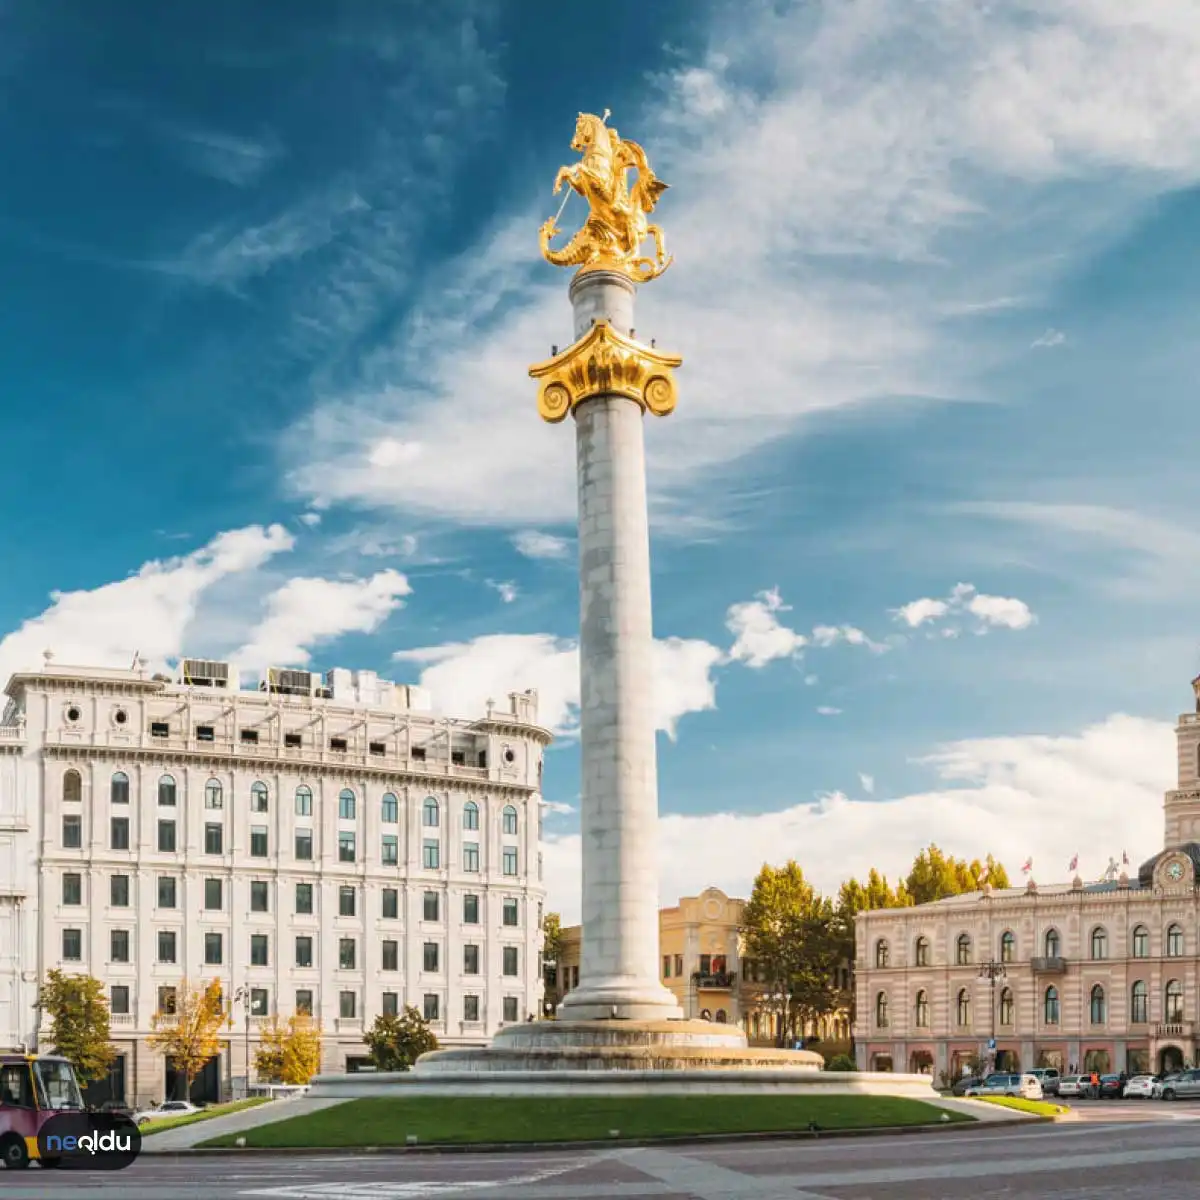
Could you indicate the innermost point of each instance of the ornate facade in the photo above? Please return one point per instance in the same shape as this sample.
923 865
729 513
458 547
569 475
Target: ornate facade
1099 976
320 844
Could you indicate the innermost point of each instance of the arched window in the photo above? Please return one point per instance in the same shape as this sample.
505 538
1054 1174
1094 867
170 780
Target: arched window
1099 942
304 801
922 952
1099 1006
119 788
963 1008
881 953
72 788
260 798
1050 1006
166 791
921 1010
1007 1006
1174 941
347 804
1053 943
722 1017
1173 1009
1141 942
1139 1003
432 813
510 819
389 808
1008 946
881 1010
962 949
213 795
470 815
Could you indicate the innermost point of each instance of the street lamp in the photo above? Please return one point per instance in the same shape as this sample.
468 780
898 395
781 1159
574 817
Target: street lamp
242 996
779 1000
991 971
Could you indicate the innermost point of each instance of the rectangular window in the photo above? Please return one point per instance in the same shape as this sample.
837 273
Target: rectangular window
118 946
510 960
470 856
259 950
118 1002
666 966
166 837
160 729
390 854
678 965
304 898
510 1008
431 1007
377 748
213 895
431 854
337 745
470 1008
431 908
292 741
346 901
119 833
304 1001
512 915
706 964
510 860
348 1005
260 900
430 957
72 832
391 1004
391 955
166 945
470 910
214 839
258 841
391 904
166 1000
213 949
118 891
391 809
260 1002
166 891
72 889
346 847
304 845
249 737
470 960
304 948
205 733
347 954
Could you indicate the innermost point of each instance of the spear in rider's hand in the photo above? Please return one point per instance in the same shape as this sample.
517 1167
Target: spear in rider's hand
557 215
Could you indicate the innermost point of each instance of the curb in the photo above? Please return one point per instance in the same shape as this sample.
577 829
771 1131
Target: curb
782 1135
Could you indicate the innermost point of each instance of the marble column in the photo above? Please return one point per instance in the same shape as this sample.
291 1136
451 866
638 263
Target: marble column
619 808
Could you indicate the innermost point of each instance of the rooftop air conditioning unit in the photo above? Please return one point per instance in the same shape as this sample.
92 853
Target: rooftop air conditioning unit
281 682
201 672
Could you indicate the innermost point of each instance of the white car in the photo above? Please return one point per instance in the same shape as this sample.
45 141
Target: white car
1073 1085
1025 1087
1140 1087
168 1108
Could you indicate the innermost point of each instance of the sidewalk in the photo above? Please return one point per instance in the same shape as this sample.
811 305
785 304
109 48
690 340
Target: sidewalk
981 1110
188 1136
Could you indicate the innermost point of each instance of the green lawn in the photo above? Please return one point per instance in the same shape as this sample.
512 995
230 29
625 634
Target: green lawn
1041 1108
214 1110
390 1121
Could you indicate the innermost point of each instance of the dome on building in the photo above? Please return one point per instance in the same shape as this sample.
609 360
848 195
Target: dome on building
1146 870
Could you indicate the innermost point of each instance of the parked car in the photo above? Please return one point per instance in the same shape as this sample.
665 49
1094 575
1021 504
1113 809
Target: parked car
1184 1086
1163 1081
168 1108
1140 1087
967 1081
1111 1087
1024 1086
1048 1077
1073 1085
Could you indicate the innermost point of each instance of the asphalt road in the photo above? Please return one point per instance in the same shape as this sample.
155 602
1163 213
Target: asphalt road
1092 1159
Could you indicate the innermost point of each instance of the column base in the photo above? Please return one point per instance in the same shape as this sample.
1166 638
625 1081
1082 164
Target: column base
621 999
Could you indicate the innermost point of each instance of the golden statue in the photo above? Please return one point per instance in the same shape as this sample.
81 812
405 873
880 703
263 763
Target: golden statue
617 223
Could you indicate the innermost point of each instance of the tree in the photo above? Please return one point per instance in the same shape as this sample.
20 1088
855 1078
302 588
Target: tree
79 1022
189 1034
552 938
936 875
396 1041
876 893
289 1052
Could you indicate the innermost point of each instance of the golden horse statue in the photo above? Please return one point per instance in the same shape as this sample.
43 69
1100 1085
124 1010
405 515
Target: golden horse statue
617 223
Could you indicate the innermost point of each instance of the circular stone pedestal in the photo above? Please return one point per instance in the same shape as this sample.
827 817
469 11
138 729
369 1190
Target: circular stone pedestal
616 1046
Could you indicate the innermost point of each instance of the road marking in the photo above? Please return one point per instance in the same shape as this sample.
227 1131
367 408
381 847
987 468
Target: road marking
705 1180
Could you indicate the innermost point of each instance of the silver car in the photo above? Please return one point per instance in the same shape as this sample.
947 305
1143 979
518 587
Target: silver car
1025 1086
1184 1086
1048 1077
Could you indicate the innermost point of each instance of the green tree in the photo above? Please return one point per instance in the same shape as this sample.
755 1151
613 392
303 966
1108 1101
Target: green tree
855 897
552 939
79 1024
936 875
396 1041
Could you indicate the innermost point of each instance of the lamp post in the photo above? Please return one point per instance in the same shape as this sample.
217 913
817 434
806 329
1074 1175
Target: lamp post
991 971
242 996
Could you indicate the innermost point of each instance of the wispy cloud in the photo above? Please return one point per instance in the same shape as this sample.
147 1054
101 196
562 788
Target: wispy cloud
240 161
1048 340
534 544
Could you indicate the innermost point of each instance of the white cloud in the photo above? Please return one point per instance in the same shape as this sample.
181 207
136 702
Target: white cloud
991 612
811 680
311 519
1048 340
534 544
917 612
149 612
827 710
1011 796
759 638
831 635
868 783
506 590
307 612
558 808
240 161
1004 612
463 676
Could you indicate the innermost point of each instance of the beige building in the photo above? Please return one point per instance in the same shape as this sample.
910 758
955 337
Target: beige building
701 961
1099 976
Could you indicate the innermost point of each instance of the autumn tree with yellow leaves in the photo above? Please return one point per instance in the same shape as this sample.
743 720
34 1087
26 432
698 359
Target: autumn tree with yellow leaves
290 1051
188 1034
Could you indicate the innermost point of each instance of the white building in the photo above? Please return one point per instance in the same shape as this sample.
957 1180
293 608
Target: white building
320 843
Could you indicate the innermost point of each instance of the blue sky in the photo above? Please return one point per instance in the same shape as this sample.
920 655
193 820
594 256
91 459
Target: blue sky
272 288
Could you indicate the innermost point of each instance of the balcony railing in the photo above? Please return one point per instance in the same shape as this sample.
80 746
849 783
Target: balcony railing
717 980
1179 1029
1048 966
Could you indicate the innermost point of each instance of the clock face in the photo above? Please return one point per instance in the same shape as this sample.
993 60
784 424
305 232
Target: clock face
1175 871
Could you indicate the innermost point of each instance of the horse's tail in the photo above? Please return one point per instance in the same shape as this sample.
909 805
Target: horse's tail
571 255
